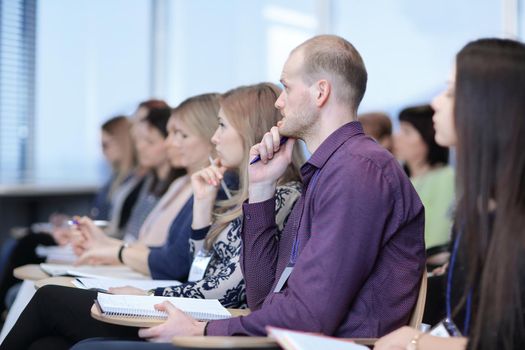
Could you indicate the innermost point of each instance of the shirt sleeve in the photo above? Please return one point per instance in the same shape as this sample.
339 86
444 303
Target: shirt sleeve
224 279
263 224
351 208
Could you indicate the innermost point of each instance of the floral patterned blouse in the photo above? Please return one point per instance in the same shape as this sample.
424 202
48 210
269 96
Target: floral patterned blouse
223 277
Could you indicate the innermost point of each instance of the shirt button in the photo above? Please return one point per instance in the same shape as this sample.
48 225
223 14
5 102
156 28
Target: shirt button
248 216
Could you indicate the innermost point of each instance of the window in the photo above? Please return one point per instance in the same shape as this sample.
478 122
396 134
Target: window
17 78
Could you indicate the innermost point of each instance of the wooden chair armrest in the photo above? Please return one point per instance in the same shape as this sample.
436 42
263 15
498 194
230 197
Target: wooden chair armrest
63 281
31 272
208 342
239 312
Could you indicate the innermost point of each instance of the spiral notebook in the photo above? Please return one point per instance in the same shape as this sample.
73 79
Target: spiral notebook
138 306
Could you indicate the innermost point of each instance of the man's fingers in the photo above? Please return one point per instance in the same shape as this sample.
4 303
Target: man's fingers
276 138
167 307
150 332
263 153
268 142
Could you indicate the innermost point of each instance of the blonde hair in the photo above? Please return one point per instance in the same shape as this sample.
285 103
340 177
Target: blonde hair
199 113
251 111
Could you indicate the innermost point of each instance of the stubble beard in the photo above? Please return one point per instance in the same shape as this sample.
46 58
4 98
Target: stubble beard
299 125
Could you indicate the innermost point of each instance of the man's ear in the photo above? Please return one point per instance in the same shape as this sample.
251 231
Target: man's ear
322 91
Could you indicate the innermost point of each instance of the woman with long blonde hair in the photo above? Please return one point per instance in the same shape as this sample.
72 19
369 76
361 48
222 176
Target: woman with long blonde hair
245 114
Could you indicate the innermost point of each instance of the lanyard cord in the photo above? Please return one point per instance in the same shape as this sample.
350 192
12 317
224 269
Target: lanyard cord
468 311
295 246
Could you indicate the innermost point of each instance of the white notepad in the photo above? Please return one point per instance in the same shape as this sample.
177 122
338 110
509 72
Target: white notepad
89 271
143 306
105 284
293 340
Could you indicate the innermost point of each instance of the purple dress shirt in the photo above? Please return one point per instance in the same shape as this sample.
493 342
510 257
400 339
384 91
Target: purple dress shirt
360 251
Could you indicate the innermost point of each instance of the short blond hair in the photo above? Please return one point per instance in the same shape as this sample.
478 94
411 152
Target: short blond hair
326 56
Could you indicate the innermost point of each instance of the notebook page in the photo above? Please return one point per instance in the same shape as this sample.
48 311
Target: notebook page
293 340
105 284
135 305
107 272
122 272
55 269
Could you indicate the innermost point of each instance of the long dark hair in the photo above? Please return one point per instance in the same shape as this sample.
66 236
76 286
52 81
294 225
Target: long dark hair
490 123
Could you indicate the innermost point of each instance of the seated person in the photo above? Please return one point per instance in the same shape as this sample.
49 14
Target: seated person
245 114
481 113
118 150
378 126
188 146
426 163
350 259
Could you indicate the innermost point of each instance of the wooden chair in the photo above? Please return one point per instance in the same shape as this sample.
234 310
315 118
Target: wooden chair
239 343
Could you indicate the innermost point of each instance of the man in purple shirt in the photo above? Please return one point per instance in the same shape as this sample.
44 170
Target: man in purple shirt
351 256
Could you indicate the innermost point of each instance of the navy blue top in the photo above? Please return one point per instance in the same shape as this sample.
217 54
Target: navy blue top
173 260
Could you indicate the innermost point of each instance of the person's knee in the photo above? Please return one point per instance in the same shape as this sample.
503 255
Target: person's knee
47 291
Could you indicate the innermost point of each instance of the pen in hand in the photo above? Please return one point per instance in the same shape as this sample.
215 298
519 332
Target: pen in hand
223 184
258 158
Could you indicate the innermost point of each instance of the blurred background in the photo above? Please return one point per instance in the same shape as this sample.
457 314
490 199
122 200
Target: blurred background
66 66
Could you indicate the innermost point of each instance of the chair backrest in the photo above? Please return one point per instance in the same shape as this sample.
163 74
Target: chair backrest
417 315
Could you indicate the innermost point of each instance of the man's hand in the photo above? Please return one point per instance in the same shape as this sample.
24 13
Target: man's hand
275 158
177 324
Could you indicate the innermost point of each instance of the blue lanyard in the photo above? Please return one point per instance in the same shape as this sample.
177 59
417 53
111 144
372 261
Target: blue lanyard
468 311
295 246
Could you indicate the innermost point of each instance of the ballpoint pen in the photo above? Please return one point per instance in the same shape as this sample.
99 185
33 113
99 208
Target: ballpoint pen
258 158
223 184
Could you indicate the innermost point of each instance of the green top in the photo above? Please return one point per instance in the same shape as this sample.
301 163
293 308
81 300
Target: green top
436 190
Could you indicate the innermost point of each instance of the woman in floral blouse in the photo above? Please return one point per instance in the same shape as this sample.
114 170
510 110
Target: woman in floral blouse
58 317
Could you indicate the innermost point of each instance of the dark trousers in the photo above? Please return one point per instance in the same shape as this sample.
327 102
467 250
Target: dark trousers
57 318
21 254
105 344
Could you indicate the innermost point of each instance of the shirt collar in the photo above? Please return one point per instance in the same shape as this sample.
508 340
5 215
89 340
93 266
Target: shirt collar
333 142
328 147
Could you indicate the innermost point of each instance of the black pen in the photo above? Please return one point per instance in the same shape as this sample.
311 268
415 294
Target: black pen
258 158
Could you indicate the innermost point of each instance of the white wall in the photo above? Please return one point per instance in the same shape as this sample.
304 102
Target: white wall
92 63
93 57
218 45
408 46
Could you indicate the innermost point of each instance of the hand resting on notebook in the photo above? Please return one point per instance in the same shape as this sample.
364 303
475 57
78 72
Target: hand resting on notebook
177 324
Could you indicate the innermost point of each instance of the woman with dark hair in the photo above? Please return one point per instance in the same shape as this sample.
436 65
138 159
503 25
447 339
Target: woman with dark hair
378 126
482 113
426 164
149 134
118 150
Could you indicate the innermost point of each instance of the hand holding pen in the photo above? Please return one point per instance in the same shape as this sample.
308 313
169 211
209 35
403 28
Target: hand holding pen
269 160
206 182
